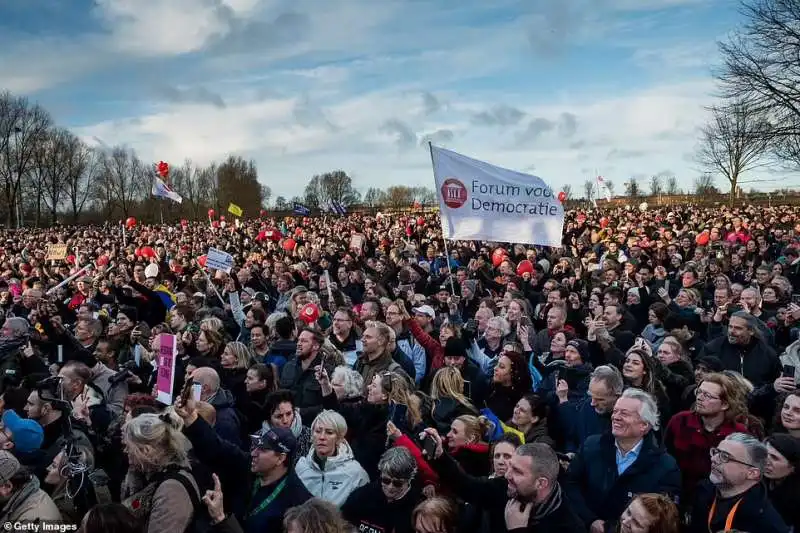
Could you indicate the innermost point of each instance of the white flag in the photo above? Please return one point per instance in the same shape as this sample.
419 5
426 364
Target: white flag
479 201
162 190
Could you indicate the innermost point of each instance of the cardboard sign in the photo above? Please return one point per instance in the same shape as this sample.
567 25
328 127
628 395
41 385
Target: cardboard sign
166 368
234 209
56 252
357 243
219 260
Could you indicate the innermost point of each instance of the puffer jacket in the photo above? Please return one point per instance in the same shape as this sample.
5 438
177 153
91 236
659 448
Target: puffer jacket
336 478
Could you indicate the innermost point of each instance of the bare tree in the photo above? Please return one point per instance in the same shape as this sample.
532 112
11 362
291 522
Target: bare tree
588 189
567 189
22 127
632 188
733 142
281 204
704 185
124 179
760 67
374 197
54 157
656 187
82 171
609 186
671 187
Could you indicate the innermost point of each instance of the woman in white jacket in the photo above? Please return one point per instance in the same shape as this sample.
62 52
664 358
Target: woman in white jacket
329 471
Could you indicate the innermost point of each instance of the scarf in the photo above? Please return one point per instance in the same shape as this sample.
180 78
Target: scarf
548 506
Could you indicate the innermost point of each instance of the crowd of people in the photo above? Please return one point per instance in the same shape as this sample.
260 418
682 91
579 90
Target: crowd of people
355 374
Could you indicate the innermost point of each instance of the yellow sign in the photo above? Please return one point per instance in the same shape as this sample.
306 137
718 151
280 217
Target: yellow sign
235 210
56 252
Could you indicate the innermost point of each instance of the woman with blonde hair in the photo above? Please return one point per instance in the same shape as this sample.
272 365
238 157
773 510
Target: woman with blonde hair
435 514
466 442
209 343
235 360
367 418
159 477
449 401
330 471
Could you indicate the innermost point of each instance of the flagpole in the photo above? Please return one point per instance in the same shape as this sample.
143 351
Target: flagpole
444 239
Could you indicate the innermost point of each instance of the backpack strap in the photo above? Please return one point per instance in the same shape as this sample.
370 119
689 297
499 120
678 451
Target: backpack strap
180 474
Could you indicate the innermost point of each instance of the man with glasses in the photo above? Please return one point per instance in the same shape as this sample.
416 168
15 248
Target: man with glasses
691 434
609 470
733 497
387 503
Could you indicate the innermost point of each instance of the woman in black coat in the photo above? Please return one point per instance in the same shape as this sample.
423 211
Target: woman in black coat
783 476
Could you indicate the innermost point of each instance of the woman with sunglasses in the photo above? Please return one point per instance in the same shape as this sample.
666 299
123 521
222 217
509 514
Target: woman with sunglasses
387 503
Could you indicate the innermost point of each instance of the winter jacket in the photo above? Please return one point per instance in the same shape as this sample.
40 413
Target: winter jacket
445 410
302 382
502 400
755 513
368 509
232 465
415 352
577 421
30 504
598 492
757 362
654 335
334 478
229 423
783 496
491 496
689 443
473 458
350 347
280 351
383 363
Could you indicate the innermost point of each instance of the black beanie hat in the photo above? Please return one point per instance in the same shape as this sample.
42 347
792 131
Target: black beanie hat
455 347
787 446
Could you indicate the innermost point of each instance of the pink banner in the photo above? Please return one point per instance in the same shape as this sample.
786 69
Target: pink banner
166 368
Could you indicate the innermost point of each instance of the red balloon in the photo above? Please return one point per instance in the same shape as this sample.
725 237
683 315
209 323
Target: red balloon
70 259
524 266
702 238
102 260
211 213
202 260
262 235
131 222
163 169
263 212
409 231
498 256
148 252
222 218
420 221
562 196
604 222
215 224
184 222
298 232
289 244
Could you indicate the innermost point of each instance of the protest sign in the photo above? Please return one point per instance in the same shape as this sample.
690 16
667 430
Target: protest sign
166 368
56 252
219 260
235 210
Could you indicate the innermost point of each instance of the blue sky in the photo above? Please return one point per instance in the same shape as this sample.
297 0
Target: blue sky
557 88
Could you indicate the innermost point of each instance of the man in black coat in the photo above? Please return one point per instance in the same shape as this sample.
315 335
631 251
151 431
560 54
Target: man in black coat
609 470
527 499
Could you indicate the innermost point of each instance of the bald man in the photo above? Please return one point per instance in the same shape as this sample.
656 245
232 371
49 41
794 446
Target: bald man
229 421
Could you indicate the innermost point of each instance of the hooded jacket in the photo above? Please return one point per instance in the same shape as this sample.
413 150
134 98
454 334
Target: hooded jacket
333 479
229 424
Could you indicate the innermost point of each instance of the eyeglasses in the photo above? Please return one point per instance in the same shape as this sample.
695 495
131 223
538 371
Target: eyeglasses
700 393
394 482
724 457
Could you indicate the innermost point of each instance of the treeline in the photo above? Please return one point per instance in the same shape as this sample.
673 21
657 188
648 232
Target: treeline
48 174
